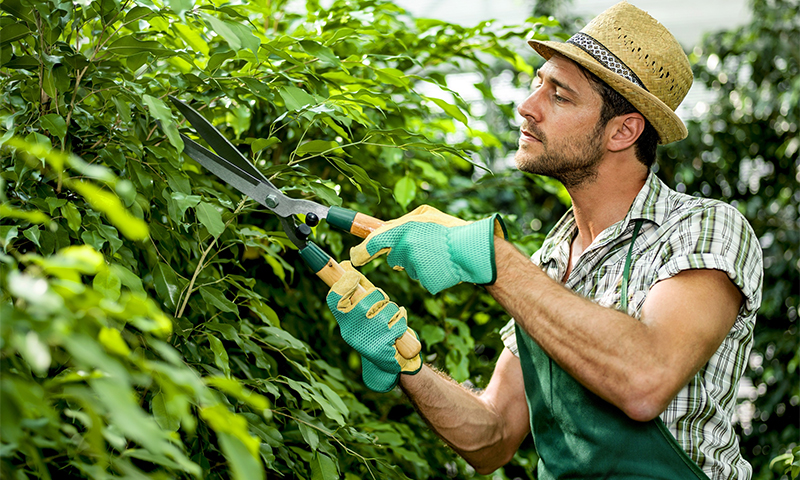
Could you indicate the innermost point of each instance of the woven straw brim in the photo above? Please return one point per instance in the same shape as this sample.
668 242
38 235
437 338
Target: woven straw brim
669 126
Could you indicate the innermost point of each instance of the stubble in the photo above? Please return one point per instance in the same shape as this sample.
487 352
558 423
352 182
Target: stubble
572 161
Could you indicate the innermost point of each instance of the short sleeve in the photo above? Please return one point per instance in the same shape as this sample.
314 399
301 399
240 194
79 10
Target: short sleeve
509 337
717 237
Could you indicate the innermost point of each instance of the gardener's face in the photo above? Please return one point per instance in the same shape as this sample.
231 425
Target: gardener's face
560 136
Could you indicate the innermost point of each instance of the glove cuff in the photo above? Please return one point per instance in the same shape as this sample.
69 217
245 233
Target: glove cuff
375 378
472 249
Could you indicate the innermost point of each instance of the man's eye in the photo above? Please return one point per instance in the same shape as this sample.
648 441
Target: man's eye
558 98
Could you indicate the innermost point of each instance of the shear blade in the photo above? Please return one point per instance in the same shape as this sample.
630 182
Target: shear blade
216 140
259 189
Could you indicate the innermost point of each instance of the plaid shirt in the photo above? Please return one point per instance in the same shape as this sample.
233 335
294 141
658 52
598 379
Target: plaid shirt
679 232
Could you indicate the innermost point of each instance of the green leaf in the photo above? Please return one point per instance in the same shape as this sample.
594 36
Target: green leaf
450 109
49 86
359 175
392 76
211 218
162 113
265 312
296 99
218 58
310 435
32 216
217 299
166 283
323 468
432 334
243 464
338 408
316 146
15 8
237 35
234 427
54 203
325 193
123 109
129 45
277 267
161 414
7 234
12 33
322 52
127 278
192 37
32 234
129 419
137 13
108 283
233 387
112 340
22 62
405 190
180 6
262 143
110 233
133 228
220 354
179 202
75 258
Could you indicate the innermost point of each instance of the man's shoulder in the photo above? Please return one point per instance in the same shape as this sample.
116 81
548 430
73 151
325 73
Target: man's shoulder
682 207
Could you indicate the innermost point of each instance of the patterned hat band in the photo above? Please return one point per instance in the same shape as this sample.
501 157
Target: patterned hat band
599 52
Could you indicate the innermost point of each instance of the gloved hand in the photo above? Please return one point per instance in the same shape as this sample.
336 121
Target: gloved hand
435 248
371 326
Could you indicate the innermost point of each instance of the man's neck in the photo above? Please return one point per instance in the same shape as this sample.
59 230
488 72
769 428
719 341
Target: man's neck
604 201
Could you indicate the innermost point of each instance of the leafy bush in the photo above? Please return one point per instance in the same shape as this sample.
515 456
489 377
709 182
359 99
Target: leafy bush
155 323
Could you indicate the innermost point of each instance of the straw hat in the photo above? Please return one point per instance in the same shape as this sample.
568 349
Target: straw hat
636 56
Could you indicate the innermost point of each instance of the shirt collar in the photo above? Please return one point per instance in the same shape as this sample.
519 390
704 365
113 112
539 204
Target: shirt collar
651 204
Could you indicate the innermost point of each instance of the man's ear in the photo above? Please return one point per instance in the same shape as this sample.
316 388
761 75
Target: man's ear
624 130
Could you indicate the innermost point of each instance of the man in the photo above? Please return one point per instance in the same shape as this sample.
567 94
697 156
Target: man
633 322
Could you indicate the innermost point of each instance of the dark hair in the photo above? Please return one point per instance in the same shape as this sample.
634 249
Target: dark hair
614 105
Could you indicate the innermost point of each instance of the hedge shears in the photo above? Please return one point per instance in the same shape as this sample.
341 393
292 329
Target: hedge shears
231 166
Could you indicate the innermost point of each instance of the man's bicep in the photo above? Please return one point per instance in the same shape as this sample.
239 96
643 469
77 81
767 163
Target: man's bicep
689 315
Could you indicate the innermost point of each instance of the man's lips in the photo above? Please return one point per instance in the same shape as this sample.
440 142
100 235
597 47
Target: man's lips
529 137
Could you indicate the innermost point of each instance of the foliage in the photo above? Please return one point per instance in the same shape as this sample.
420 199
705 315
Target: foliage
154 323
745 149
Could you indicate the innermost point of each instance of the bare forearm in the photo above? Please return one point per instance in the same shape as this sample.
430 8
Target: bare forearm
467 422
602 348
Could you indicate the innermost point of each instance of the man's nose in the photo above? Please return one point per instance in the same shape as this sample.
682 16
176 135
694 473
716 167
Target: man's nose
530 107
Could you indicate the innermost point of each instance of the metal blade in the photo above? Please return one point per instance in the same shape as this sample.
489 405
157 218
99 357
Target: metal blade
216 140
262 191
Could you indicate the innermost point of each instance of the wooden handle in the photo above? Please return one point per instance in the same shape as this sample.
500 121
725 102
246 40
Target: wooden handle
407 345
363 225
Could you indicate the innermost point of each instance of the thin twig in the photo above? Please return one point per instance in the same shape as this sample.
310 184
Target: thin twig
201 263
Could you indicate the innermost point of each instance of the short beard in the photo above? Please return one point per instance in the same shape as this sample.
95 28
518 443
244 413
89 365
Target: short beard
572 168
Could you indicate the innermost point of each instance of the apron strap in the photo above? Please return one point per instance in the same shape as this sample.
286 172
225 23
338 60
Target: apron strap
623 289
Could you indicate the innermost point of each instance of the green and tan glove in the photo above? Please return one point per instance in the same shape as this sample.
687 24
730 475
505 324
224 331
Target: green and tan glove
435 248
371 325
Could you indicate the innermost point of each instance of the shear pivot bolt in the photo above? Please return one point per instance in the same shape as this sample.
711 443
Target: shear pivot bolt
312 220
271 201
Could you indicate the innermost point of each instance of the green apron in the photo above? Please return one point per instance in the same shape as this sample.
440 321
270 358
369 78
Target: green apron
578 435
